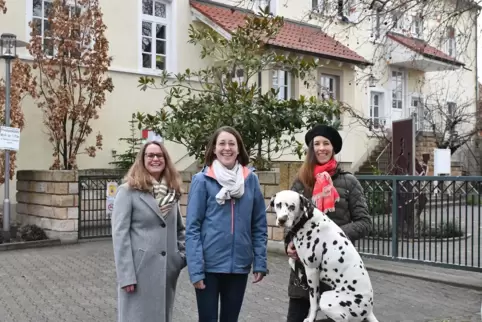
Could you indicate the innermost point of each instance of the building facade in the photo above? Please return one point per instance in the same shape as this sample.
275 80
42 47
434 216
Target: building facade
383 74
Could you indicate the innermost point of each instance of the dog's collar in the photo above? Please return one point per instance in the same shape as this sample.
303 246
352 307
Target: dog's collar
296 227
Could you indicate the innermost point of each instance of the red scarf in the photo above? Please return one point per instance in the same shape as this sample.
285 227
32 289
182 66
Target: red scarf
324 193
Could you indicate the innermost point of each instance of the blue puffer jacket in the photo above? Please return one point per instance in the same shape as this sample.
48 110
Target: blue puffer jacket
225 238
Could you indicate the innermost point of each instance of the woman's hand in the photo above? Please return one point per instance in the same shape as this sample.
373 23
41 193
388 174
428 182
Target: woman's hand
166 208
258 277
291 250
129 288
199 285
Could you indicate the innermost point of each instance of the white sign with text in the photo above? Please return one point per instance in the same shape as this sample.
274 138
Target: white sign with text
9 138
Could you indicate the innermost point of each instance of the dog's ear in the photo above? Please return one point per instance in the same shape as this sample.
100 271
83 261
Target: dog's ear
307 206
271 202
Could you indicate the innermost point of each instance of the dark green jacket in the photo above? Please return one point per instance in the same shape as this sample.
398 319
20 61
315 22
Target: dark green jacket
351 214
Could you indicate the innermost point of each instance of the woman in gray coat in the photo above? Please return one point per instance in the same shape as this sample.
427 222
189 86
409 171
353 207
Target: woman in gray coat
148 237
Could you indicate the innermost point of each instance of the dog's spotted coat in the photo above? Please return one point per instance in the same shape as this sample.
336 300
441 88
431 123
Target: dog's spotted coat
328 257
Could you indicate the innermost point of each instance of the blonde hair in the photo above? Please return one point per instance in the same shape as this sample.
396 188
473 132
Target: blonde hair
140 179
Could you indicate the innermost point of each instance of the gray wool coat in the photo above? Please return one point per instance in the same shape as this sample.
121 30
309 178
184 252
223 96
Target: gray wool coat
149 251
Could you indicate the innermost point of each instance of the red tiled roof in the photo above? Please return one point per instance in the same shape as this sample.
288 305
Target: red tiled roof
423 48
296 36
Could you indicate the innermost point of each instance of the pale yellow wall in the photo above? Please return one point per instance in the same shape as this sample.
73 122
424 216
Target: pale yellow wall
460 83
123 34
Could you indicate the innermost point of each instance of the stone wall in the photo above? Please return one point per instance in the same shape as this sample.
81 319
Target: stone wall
49 199
425 144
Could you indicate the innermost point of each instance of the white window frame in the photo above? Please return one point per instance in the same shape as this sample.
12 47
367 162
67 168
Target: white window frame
273 5
318 6
324 87
168 21
346 8
398 22
394 83
417 26
451 108
451 43
377 25
420 112
237 76
30 17
378 121
284 77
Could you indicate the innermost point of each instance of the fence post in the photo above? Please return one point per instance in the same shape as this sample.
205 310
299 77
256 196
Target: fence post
394 219
79 220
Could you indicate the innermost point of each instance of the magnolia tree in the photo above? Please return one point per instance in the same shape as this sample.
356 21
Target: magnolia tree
71 57
228 93
22 85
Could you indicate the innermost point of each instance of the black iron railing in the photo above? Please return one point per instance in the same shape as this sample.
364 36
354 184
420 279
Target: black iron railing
427 219
94 219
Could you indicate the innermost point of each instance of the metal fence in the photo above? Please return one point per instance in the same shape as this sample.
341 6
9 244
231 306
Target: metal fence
434 220
94 220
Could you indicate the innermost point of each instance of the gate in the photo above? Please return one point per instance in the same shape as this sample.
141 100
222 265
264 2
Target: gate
427 219
94 221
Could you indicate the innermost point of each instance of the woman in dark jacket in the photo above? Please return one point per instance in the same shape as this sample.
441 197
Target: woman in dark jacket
345 204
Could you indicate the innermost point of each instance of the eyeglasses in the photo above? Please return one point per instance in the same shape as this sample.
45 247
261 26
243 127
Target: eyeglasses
151 156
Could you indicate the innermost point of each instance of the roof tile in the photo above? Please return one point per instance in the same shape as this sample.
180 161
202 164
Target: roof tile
295 36
423 48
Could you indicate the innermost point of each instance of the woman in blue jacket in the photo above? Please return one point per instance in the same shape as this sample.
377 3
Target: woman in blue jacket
226 228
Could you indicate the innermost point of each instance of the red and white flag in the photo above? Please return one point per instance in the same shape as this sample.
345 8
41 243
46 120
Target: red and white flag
149 135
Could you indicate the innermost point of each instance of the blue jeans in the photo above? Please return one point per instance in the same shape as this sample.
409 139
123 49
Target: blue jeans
229 288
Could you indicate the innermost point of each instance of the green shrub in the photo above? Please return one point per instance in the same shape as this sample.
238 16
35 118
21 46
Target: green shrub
31 233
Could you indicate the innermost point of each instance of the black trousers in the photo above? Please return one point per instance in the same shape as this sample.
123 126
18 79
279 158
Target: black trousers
298 310
229 288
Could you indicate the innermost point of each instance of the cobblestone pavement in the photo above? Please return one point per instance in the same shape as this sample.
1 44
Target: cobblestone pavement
76 283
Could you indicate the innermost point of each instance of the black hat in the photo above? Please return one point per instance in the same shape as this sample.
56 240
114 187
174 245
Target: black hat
327 132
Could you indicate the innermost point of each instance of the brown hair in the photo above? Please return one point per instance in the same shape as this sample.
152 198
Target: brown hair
305 173
243 157
139 178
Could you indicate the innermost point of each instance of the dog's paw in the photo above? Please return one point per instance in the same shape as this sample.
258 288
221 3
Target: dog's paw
308 320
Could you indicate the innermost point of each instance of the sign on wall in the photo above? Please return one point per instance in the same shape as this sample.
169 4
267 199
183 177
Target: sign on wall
9 138
110 197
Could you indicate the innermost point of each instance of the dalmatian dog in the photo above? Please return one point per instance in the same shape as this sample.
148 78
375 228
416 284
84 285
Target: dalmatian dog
328 257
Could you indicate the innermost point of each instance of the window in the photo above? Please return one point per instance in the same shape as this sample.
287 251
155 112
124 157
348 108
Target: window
451 108
398 21
418 112
397 89
341 8
329 87
318 5
155 37
282 80
451 45
236 75
417 27
262 4
377 24
376 109
40 24
345 8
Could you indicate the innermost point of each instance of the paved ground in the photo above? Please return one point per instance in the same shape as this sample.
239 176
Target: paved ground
76 283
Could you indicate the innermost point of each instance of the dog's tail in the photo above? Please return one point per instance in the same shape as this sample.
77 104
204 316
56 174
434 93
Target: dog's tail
371 318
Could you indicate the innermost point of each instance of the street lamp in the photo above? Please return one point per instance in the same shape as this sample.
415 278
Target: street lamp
372 81
8 51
